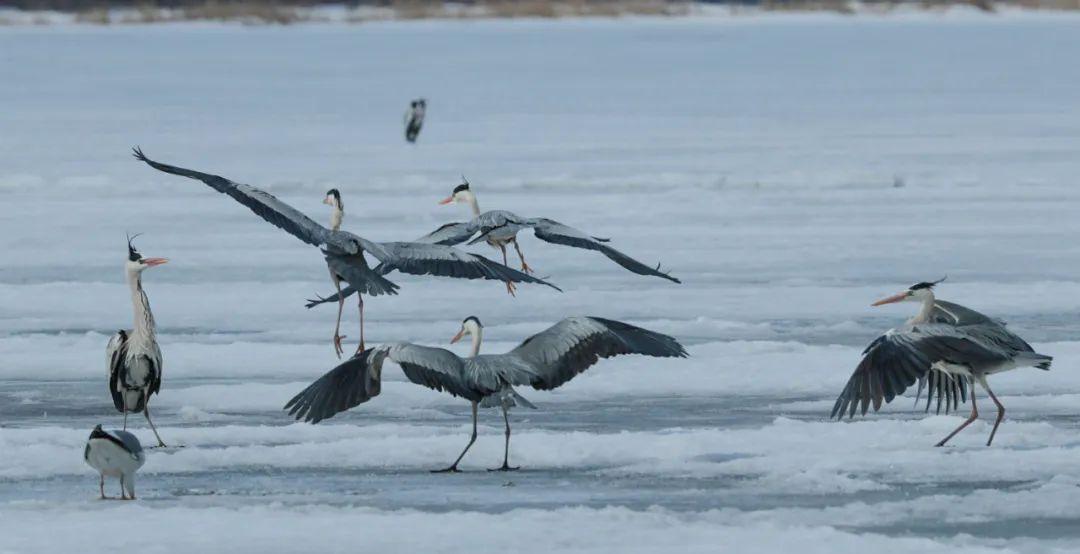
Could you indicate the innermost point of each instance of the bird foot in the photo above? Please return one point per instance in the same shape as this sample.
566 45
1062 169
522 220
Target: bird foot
451 469
525 268
505 467
337 345
511 288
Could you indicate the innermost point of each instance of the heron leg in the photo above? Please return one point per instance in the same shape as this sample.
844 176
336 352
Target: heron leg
360 297
510 288
974 415
524 266
123 494
340 306
1001 411
146 412
101 485
506 449
453 467
125 413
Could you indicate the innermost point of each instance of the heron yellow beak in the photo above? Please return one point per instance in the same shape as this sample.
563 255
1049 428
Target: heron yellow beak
891 299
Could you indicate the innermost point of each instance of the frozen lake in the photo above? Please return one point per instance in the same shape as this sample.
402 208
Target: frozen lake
790 170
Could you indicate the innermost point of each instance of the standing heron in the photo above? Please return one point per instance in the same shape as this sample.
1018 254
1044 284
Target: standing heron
499 228
414 119
344 251
945 345
115 454
132 355
544 361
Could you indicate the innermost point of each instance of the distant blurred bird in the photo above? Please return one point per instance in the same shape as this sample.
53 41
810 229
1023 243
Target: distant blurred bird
115 454
945 346
132 355
414 119
344 252
499 228
544 361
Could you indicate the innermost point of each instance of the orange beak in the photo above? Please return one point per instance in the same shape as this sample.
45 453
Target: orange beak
151 262
446 200
891 299
458 336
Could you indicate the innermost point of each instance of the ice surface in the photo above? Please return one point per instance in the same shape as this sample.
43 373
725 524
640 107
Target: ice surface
790 170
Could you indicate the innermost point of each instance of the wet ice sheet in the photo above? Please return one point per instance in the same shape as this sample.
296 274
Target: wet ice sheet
788 192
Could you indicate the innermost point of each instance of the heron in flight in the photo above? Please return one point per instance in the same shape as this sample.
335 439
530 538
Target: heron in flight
944 345
132 355
499 228
414 119
543 361
344 251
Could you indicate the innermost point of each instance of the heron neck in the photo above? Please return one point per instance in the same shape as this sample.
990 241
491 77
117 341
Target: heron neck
476 339
474 205
144 319
336 215
925 311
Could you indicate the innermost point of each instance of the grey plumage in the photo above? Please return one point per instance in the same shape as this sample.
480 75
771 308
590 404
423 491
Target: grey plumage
544 361
915 352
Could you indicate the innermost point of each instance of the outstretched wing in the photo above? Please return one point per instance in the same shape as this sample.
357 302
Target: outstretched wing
264 204
899 358
557 354
350 384
436 368
451 233
556 233
446 261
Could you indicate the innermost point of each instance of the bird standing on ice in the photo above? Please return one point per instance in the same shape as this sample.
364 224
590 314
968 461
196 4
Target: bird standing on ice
133 356
946 346
414 119
115 454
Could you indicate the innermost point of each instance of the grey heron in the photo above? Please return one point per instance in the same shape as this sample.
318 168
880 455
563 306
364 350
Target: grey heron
499 228
543 361
944 345
132 355
414 119
344 251
115 454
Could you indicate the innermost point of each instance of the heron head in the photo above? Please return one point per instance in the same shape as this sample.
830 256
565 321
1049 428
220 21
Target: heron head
333 198
461 193
136 263
470 326
918 292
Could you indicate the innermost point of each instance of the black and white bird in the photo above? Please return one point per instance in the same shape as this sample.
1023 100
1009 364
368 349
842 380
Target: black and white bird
499 228
543 361
345 252
946 348
414 119
132 355
115 454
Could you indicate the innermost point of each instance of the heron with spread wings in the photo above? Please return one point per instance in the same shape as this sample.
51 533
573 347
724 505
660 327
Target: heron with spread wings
345 252
544 361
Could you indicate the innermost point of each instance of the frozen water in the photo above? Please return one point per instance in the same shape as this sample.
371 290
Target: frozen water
789 169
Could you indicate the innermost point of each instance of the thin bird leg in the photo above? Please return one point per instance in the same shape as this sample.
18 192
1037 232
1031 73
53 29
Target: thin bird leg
146 412
1001 411
506 450
340 307
125 413
360 297
101 485
974 415
123 494
524 266
510 288
453 467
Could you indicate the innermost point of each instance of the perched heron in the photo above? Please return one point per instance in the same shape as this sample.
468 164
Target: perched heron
499 228
132 355
414 119
945 346
544 361
345 251
115 454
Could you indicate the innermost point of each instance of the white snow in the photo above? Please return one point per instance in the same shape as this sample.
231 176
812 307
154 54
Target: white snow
790 169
